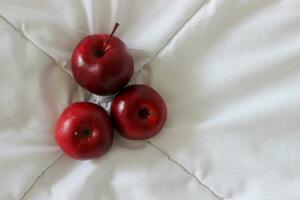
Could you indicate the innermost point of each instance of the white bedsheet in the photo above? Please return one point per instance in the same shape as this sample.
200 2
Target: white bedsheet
228 70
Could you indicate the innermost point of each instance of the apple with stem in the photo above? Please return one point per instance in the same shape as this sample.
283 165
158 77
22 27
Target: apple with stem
101 63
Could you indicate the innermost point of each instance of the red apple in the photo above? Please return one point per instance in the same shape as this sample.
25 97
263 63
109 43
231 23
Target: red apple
102 64
84 131
138 112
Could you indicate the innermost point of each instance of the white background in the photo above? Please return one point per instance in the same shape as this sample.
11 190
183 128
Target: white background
228 70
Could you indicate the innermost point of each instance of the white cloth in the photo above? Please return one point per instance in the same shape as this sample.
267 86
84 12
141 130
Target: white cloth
228 70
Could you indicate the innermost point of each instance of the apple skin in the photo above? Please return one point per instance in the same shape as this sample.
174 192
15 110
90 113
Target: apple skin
138 112
84 131
101 71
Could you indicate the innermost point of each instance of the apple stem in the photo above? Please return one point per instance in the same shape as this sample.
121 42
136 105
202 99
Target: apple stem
112 33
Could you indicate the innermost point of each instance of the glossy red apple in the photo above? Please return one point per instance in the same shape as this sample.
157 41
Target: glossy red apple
138 112
102 64
84 131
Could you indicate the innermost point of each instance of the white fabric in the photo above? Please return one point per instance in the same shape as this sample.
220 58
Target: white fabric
228 70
